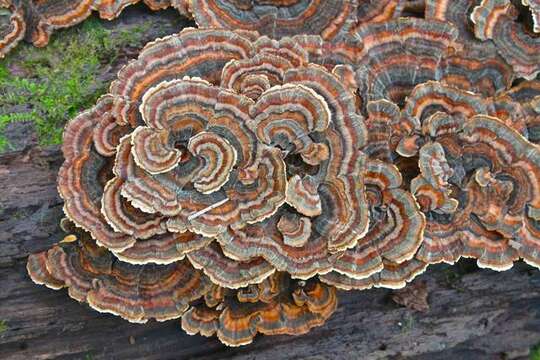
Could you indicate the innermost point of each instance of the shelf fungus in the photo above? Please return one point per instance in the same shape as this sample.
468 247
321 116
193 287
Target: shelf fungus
527 94
470 167
136 293
278 18
400 54
236 179
495 20
12 26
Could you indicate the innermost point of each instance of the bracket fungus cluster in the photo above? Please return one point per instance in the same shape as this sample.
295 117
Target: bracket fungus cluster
236 179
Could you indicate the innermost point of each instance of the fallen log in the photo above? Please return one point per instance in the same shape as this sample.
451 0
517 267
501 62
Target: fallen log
473 313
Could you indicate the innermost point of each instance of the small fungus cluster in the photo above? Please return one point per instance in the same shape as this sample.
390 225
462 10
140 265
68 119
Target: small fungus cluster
35 20
236 175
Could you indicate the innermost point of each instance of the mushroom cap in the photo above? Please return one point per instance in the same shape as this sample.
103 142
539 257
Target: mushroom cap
511 209
51 15
175 57
265 240
382 125
527 94
476 66
37 20
456 12
468 191
37 269
434 96
83 176
465 185
163 249
485 74
296 229
370 11
45 16
201 319
88 173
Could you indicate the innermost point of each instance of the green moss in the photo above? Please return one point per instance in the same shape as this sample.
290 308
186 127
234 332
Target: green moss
535 352
3 326
51 85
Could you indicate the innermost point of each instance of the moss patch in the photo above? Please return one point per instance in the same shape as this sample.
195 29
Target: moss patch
3 326
535 353
51 85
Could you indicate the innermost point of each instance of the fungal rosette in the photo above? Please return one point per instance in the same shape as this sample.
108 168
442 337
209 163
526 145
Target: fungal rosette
222 152
395 234
495 20
494 34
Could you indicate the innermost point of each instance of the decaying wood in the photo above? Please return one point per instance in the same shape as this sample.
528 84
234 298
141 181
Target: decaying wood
476 314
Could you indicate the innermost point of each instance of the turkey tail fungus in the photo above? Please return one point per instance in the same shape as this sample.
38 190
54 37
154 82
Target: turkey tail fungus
236 175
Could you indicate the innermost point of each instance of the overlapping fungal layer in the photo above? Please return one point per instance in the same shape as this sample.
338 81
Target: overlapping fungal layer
527 94
395 234
93 275
399 54
477 178
495 29
332 19
278 305
371 11
36 20
279 18
237 180
495 20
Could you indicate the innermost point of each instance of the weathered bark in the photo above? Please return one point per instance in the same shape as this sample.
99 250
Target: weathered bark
474 314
